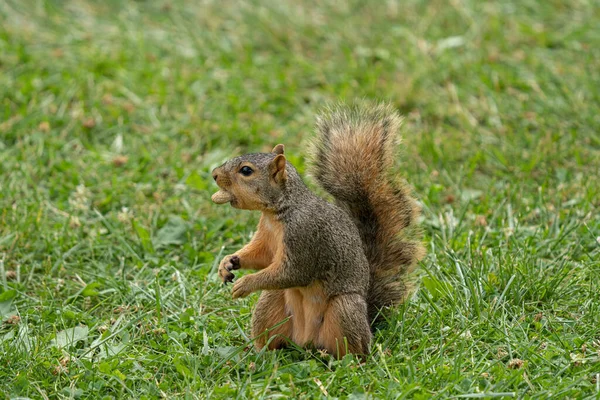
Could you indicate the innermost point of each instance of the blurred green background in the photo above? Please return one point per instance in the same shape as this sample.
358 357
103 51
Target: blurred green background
112 115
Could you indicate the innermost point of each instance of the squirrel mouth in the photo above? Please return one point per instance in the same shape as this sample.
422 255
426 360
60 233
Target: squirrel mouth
222 197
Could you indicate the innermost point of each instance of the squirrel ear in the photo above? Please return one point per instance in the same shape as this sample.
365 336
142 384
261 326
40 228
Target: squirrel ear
277 169
279 149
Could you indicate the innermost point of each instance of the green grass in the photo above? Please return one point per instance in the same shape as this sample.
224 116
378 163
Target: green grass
112 115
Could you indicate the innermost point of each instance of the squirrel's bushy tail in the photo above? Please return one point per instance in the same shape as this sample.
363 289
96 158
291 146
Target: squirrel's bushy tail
354 157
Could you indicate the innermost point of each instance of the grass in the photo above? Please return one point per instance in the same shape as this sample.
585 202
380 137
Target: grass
112 115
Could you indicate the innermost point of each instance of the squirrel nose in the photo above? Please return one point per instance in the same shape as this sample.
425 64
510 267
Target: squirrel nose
215 176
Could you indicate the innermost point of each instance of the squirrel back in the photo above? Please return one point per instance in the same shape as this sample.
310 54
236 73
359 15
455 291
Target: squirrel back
353 160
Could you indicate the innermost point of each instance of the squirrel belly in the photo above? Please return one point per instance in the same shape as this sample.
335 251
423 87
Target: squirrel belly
325 270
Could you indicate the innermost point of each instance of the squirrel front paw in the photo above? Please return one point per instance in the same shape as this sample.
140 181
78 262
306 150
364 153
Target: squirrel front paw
242 287
228 264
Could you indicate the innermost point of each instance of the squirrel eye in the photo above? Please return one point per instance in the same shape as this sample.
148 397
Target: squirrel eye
246 171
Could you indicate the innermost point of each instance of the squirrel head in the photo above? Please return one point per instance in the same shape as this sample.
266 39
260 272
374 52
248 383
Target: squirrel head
252 181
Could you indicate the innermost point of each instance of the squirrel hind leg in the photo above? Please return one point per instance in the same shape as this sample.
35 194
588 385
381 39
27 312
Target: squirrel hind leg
268 313
345 327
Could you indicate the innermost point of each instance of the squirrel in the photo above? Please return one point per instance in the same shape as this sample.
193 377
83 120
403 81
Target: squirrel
325 270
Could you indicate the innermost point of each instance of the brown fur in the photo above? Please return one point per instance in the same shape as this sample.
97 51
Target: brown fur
243 195
313 319
325 270
331 337
307 306
261 250
380 205
268 313
345 328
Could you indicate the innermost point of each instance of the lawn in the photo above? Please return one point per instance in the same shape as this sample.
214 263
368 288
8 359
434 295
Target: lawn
112 115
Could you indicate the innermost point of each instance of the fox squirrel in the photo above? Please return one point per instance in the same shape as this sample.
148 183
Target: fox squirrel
328 268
